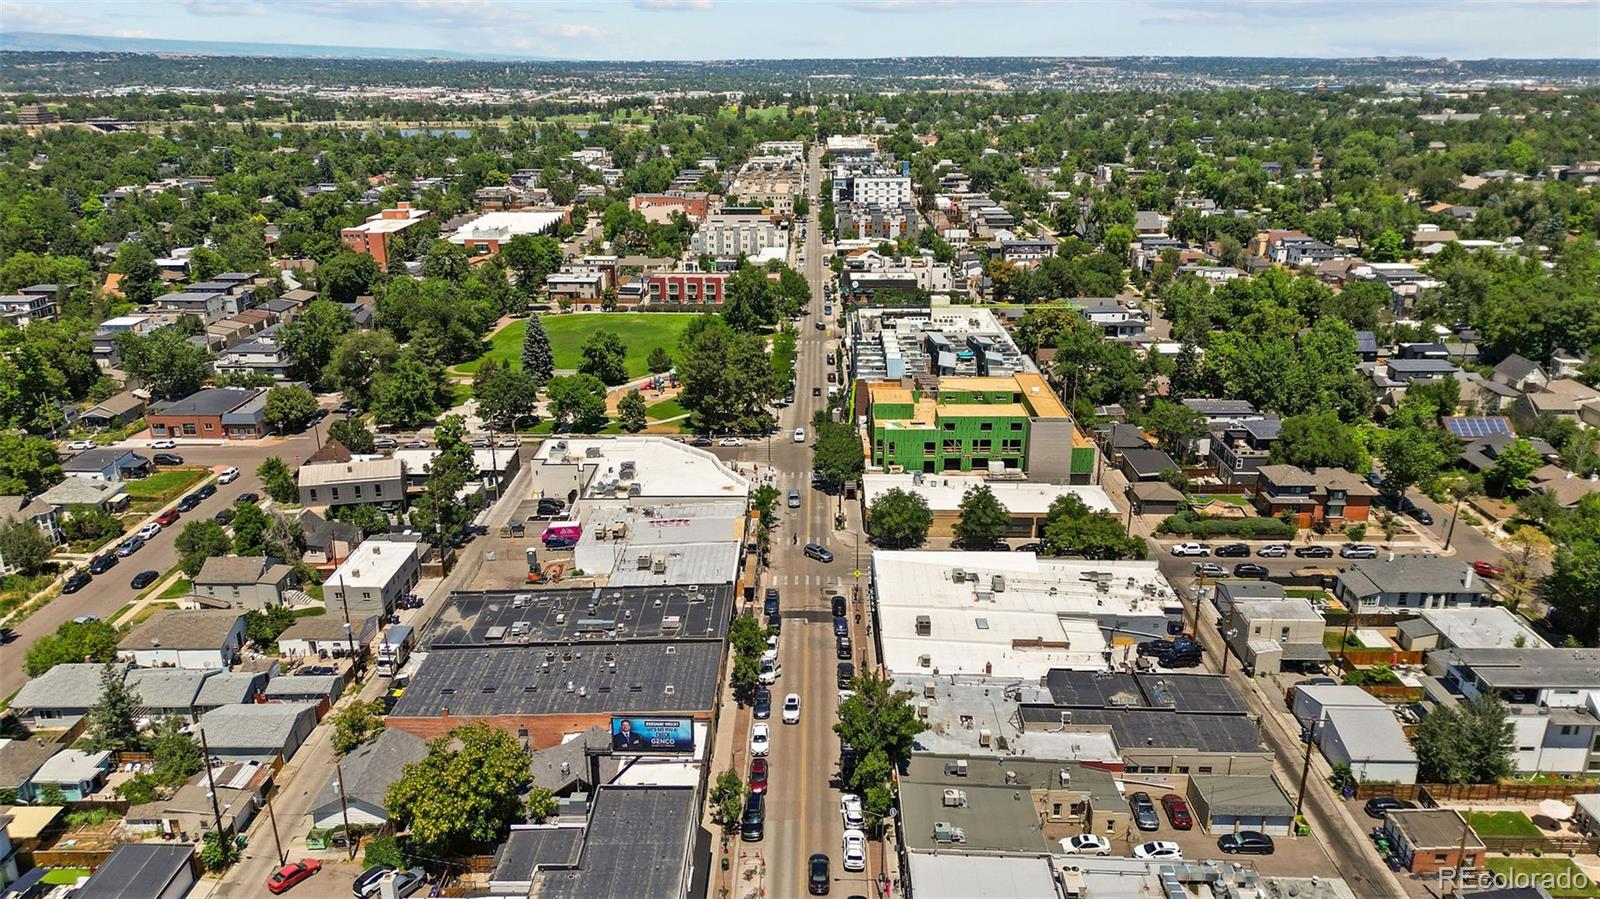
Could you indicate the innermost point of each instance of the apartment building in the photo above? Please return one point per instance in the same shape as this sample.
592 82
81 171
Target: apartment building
374 236
727 235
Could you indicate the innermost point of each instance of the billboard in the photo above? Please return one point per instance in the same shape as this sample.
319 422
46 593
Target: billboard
652 734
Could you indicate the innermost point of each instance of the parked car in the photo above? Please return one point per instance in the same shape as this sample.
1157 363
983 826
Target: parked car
102 563
1209 569
1273 551
1232 550
837 603
1177 812
1485 569
81 445
206 491
224 517
700 441
385 443
753 823
775 623
1086 844
148 531
1180 659
129 546
1314 551
762 709
791 709
1380 806
188 503
732 441
818 879
1249 569
1160 850
1036 548
1246 842
1162 647
1358 551
816 551
1174 628
850 811
847 673
1144 811
164 444
366 886
842 649
770 672
841 626
144 579
1191 549
167 459
794 499
1316 682
77 581
228 475
759 769
286 877
168 518
760 739
855 850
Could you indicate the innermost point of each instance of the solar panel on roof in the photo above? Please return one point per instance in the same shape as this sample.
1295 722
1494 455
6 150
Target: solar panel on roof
1472 427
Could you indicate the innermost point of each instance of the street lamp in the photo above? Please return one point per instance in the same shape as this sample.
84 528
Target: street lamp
1226 637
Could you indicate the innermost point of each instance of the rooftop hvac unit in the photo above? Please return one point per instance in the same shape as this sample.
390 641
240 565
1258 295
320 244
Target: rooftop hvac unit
945 832
558 448
644 562
591 452
924 660
998 582
957 575
955 798
671 623
1063 776
627 468
922 710
924 625
659 565
635 489
928 689
985 737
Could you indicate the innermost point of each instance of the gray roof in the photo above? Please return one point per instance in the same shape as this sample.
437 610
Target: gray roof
1366 342
211 401
991 817
183 629
117 404
1148 461
321 532
102 458
81 492
1421 365
1370 733
530 848
327 627
1246 795
631 613
1164 729
20 758
637 844
1409 574
74 685
1433 828
1516 367
23 507
228 688
1530 667
370 768
547 763
304 685
534 679
138 871
167 688
241 570
1207 693
1220 407
265 726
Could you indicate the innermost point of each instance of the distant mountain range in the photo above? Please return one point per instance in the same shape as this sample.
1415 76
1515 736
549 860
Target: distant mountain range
96 43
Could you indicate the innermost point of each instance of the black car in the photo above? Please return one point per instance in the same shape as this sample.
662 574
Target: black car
842 648
188 503
548 507
206 491
224 517
78 581
1162 647
144 579
770 603
839 607
1174 628
366 886
1246 842
1180 659
247 498
700 441
1420 514
775 623
103 563
818 881
317 671
1035 548
763 704
753 823
1234 550
168 459
847 673
1249 569
1313 552
1144 811
1380 806
559 543
841 626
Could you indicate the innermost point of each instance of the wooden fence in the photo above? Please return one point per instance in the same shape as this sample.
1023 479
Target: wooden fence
1360 658
1432 794
71 858
1393 692
1551 845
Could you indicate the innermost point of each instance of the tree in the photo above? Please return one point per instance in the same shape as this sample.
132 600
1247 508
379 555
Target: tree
408 394
505 395
532 259
174 754
263 626
1320 440
438 510
983 519
1527 549
464 793
92 525
877 718
631 411
1071 528
836 456
578 403
353 433
28 464
537 359
250 525
1172 424
727 378
366 516
604 356
114 720
542 805
168 364
1470 743
659 361
348 275
1387 246
1409 457
24 546
897 517
356 358
88 641
311 338
289 408
1574 589
360 722
200 540
141 279
727 799
218 851
1516 461
278 480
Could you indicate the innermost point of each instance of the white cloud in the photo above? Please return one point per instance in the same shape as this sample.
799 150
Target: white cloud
55 19
225 7
694 5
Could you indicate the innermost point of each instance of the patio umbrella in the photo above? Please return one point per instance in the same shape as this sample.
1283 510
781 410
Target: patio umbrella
1555 808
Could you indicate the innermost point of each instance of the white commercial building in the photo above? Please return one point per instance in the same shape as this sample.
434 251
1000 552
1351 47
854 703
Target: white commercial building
1014 615
727 235
488 232
375 574
882 190
694 543
642 472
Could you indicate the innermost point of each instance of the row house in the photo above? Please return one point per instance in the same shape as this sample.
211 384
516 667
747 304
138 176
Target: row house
685 288
1331 495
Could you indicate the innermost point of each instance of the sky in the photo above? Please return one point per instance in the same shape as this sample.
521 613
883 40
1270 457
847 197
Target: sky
725 29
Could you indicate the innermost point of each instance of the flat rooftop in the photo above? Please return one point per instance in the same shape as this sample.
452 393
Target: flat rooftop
1531 668
637 844
1200 693
1486 627
945 492
658 677
374 563
963 710
1138 729
947 876
488 618
688 543
662 468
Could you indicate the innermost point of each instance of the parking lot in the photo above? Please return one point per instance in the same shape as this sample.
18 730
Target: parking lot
1298 856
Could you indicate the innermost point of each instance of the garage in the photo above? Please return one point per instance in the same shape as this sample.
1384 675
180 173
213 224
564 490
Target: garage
1228 803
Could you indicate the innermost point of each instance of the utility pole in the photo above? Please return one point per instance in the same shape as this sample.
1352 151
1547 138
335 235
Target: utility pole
211 790
273 819
344 807
1305 768
1454 517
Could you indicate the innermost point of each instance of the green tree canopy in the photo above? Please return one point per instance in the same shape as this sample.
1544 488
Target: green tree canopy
278 479
464 794
898 517
200 540
983 519
289 408
1320 440
604 356
89 641
578 403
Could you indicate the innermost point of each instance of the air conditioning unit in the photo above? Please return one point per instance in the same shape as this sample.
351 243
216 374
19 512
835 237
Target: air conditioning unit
924 661
659 566
928 689
957 575
955 798
998 583
985 738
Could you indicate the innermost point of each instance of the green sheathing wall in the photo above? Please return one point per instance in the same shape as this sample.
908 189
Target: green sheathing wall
954 438
1083 460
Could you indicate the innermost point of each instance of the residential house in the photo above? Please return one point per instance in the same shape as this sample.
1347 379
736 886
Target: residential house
1266 628
262 354
144 871
31 304
1146 464
107 464
685 288
208 307
1551 693
113 412
28 509
257 732
235 413
1430 840
1330 495
168 692
103 344
20 758
1564 486
1154 497
1116 321
1407 371
352 483
243 582
324 636
1520 373
1483 453
74 492
1370 740
327 542
1476 627
369 770
61 696
1216 413
1148 222
240 790
575 287
321 690
229 688
1239 449
1562 398
375 576
185 638
1409 582
77 773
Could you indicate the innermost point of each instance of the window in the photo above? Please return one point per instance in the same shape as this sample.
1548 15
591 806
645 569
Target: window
188 428
1205 769
986 426
377 489
336 493
1011 446
1568 730
1441 857
1284 634
1016 426
210 426
952 446
358 491
1055 809
982 446
949 426
313 494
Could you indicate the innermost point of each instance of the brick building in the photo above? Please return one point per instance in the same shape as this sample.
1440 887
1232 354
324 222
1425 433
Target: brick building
686 288
374 236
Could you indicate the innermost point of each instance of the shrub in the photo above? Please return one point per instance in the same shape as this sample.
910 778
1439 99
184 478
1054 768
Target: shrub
1191 524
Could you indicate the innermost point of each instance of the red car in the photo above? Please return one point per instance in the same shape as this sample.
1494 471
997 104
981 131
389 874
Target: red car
758 775
1485 569
167 518
1177 811
291 874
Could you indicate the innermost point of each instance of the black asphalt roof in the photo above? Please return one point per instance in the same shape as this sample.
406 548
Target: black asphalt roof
637 845
137 871
1135 729
614 613
1188 693
555 679
210 401
539 847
